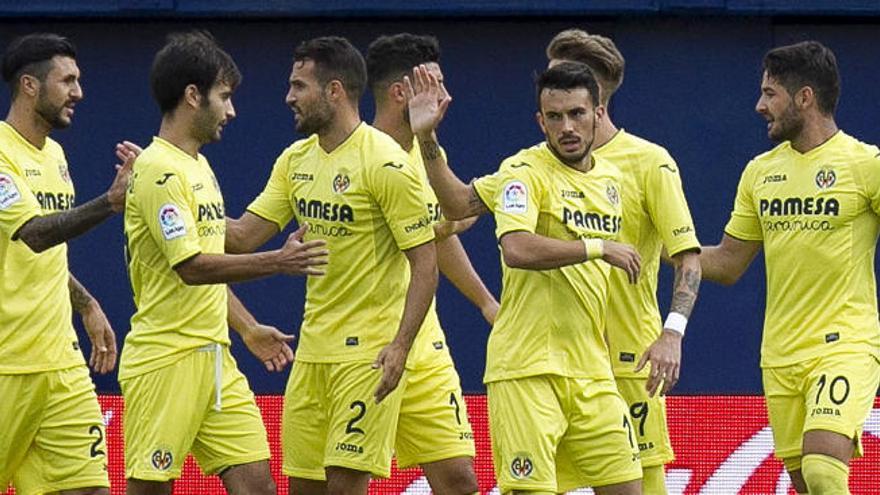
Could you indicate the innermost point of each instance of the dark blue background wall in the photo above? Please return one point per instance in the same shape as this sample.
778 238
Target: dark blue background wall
691 85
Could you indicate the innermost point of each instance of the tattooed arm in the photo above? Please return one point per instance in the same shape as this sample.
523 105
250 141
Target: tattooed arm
665 353
42 232
103 356
457 199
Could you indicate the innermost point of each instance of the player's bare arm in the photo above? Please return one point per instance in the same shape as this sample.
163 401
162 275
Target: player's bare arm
530 251
422 286
454 264
725 263
267 343
427 105
295 257
665 353
101 335
248 232
42 232
447 228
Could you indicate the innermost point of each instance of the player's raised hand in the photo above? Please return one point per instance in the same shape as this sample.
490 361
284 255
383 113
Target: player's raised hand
102 337
302 258
392 360
426 99
665 358
126 149
270 346
623 256
116 193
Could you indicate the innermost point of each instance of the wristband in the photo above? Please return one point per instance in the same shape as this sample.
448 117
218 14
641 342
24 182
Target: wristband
676 322
594 248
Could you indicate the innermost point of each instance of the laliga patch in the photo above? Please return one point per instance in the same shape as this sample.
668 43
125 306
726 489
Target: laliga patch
9 194
515 197
171 222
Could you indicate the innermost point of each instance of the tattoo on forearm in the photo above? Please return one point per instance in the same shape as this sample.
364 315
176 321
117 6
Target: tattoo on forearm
687 285
43 232
475 204
430 149
79 296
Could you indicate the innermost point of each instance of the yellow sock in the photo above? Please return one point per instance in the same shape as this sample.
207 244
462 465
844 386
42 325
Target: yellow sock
653 480
825 475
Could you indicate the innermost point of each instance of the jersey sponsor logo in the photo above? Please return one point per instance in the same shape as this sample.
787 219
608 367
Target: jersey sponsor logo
9 194
162 459
669 167
592 220
349 447
330 231
211 211
29 172
798 225
211 230
198 187
393 165
612 193
55 201
300 177
416 226
573 194
438 345
171 222
799 206
825 178
64 172
351 341
165 177
627 357
332 212
832 337
341 183
434 212
682 230
520 164
775 178
515 197
521 467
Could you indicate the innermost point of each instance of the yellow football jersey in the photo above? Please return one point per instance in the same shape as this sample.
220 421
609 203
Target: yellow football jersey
552 321
655 214
36 329
818 215
366 200
174 210
429 349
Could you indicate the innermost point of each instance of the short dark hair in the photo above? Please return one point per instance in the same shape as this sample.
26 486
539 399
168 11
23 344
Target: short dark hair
566 76
389 58
31 54
808 63
193 57
335 58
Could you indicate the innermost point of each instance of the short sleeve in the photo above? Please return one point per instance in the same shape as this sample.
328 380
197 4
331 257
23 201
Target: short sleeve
273 203
744 223
167 213
486 188
667 206
401 195
869 172
517 201
18 204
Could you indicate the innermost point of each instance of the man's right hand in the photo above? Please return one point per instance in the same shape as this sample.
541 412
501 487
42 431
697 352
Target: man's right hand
623 256
426 100
301 258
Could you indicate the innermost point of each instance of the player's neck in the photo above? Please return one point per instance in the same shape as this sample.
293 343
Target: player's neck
29 124
815 133
391 123
605 131
345 122
178 132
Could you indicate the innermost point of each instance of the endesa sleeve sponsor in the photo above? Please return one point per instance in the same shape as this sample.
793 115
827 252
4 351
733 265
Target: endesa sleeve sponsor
723 446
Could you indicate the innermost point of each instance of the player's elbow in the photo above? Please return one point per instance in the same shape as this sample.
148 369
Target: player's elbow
191 271
30 236
515 256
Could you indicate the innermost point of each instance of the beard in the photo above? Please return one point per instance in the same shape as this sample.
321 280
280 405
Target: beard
316 119
206 127
51 113
787 126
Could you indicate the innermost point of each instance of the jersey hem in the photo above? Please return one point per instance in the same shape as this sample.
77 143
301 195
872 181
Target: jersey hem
29 371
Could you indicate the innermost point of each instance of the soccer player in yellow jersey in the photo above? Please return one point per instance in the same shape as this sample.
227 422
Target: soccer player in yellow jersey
53 433
433 430
813 204
358 191
182 388
556 418
655 214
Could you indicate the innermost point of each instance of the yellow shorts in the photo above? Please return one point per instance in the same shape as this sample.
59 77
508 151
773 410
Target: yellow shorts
331 419
173 411
554 434
433 423
833 393
53 432
648 415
